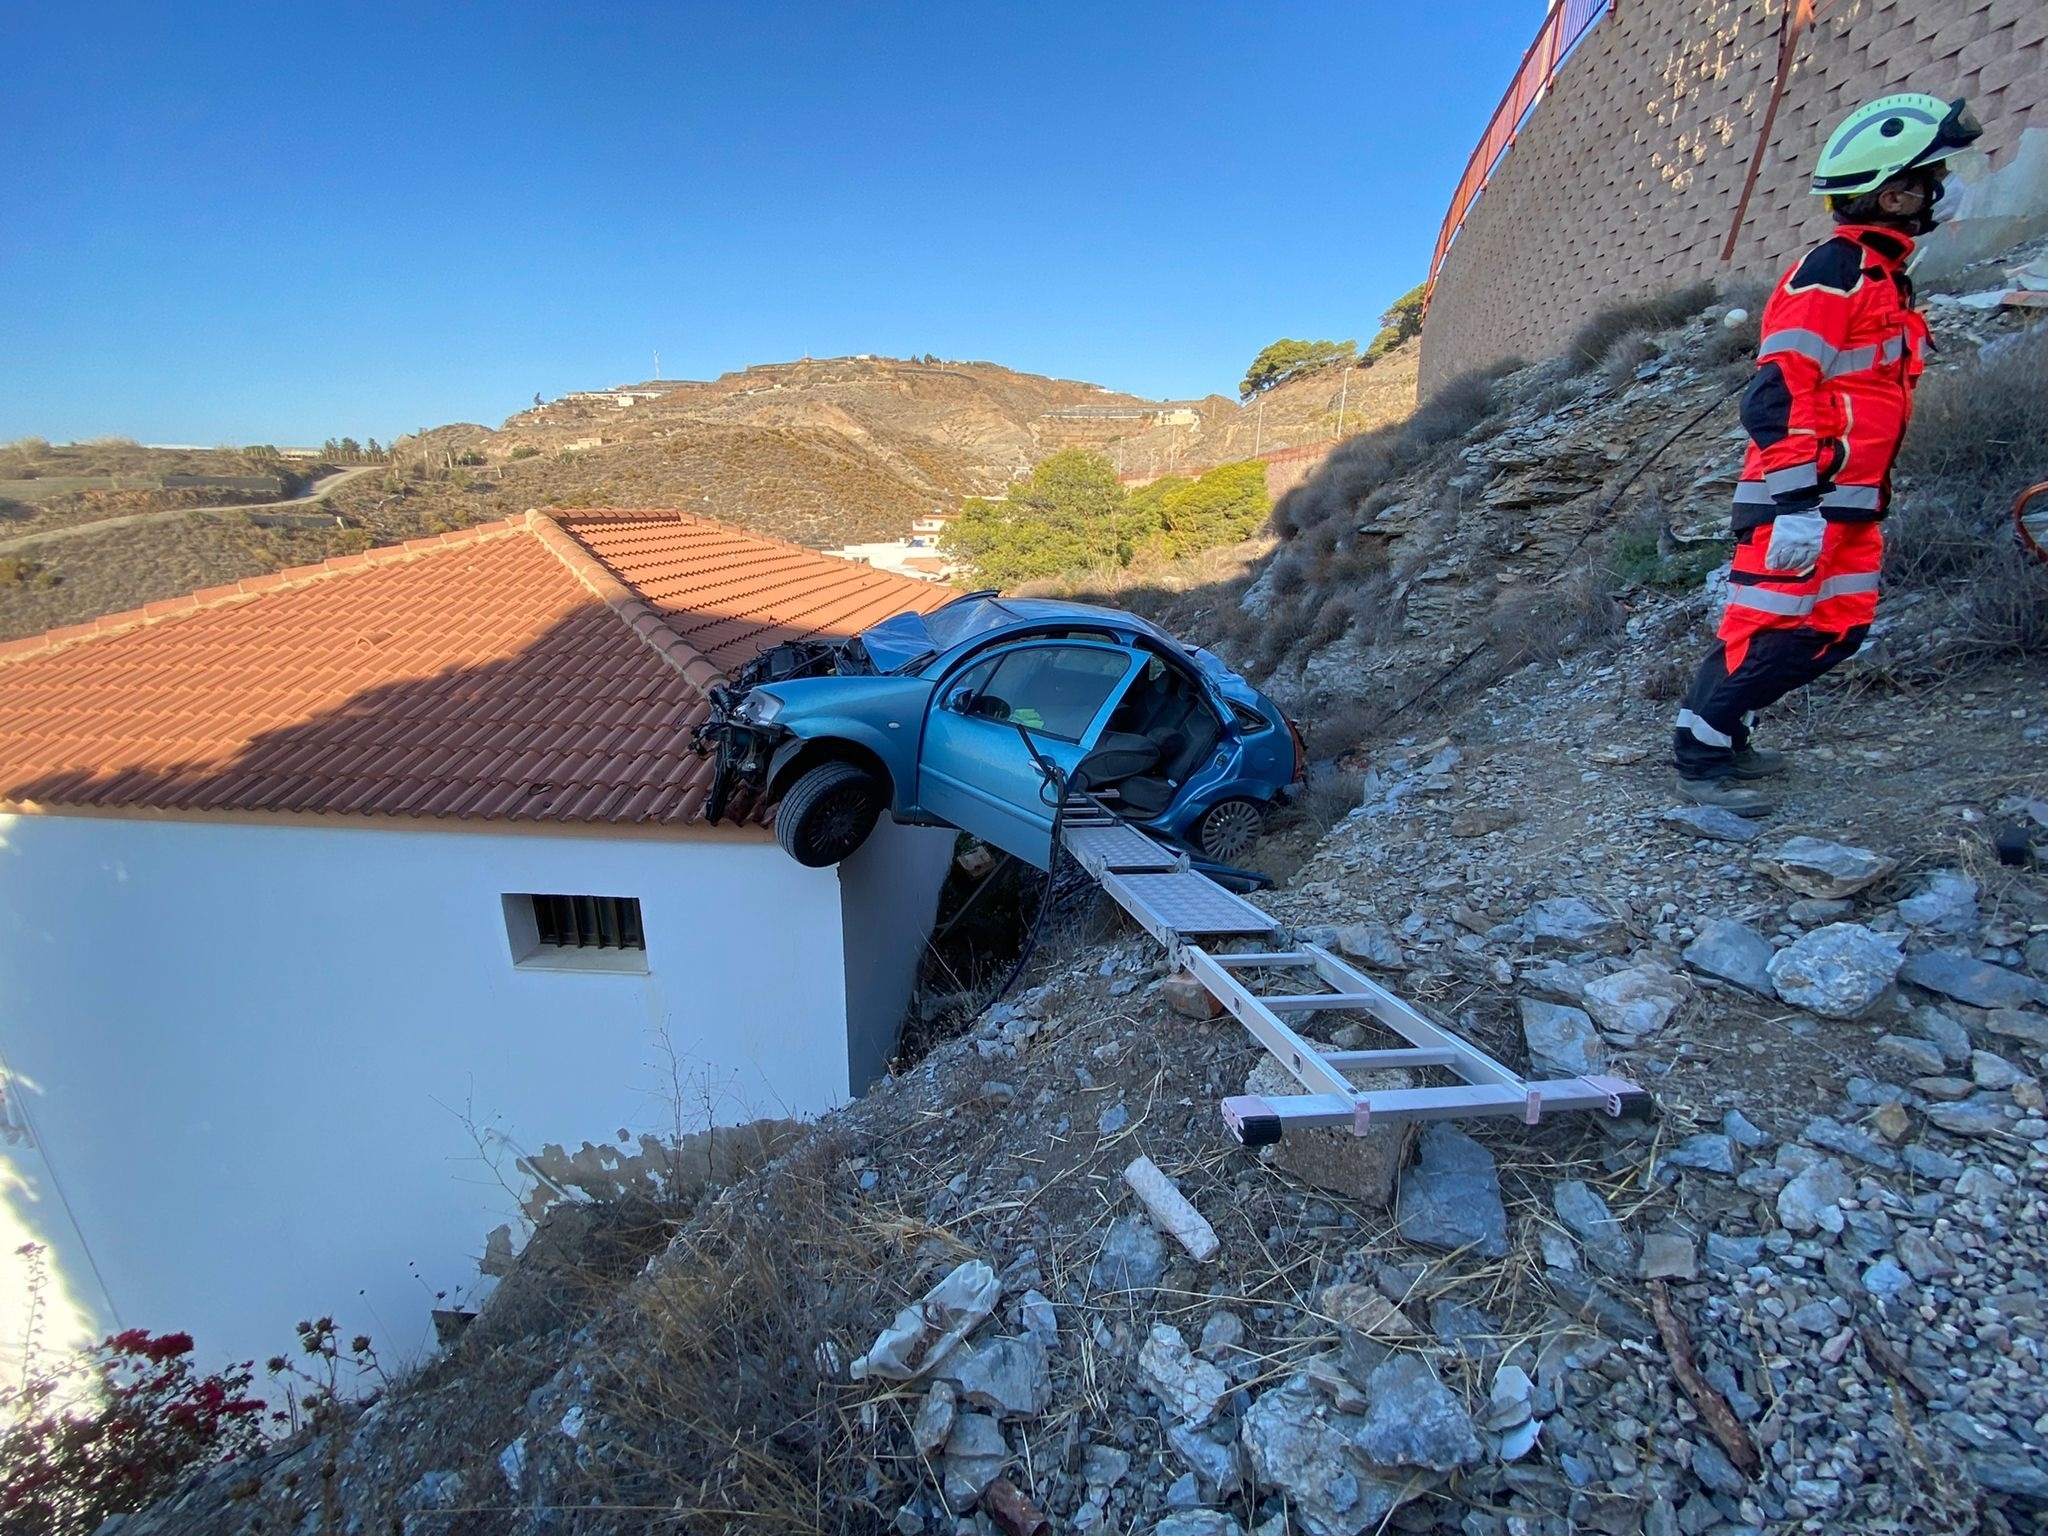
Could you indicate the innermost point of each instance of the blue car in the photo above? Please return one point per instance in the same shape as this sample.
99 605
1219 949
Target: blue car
971 715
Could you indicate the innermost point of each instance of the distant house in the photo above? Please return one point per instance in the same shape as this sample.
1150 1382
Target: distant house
324 892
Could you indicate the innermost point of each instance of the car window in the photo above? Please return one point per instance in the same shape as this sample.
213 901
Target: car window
1056 689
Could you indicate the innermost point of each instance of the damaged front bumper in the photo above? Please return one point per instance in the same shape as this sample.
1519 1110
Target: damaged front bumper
740 731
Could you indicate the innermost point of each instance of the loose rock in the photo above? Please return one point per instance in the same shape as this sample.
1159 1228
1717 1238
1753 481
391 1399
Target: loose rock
1712 821
1824 870
1188 1389
1812 1200
1837 971
1562 1041
1637 1001
1570 921
1976 982
1303 1450
1732 952
1133 1256
1371 944
1608 1246
1451 1198
1414 1420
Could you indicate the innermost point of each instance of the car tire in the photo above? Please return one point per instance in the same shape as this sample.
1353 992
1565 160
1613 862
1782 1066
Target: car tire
828 813
1228 829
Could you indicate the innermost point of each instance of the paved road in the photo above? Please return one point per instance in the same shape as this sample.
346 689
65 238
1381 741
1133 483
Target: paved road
319 492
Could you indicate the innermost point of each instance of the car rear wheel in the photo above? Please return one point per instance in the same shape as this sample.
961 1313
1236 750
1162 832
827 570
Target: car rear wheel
828 813
1228 829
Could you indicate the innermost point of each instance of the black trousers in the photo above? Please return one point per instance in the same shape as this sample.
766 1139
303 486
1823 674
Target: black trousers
1714 717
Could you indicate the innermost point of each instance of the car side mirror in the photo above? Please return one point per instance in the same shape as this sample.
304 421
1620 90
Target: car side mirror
961 701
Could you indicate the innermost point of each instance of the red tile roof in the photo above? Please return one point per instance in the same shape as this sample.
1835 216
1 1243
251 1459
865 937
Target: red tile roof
546 668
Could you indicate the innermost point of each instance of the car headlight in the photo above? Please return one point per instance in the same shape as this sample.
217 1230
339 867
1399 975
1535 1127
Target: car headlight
759 708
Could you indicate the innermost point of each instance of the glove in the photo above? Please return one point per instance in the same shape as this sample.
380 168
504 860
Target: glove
1795 541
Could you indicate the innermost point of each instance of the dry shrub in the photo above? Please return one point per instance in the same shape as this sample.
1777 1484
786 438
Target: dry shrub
1359 467
1975 442
1731 346
1331 796
723 1398
1549 622
1663 678
1629 351
1337 729
1593 340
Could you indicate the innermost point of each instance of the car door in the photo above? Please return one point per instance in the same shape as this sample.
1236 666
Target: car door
975 768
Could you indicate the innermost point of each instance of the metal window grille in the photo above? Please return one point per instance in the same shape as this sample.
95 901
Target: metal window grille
589 922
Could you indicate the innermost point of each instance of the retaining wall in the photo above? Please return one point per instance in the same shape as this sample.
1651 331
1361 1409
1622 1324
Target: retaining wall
1626 177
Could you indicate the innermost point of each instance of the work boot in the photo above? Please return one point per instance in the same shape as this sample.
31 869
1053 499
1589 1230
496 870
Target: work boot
1758 762
1728 795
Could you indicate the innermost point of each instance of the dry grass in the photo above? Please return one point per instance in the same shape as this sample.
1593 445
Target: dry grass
1629 351
1975 442
1594 341
1549 622
724 1394
1361 465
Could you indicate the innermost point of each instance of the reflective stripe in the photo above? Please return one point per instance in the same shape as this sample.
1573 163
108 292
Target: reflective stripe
1789 605
1753 493
1862 497
1834 362
1806 343
1702 732
1796 478
1844 586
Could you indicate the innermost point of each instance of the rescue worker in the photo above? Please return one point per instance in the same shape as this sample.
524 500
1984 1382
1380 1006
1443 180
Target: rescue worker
1840 352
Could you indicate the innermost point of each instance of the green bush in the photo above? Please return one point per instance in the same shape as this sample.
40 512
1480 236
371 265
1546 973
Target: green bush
1287 359
525 451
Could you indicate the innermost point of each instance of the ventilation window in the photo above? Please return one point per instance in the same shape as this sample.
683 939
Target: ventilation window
576 933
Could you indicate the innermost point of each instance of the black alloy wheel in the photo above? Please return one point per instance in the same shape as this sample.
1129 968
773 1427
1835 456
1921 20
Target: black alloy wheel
828 813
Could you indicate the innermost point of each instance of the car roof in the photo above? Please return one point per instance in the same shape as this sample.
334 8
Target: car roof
979 614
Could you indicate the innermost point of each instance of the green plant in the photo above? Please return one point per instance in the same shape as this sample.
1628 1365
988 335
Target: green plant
1070 515
17 571
1287 359
525 451
1401 320
1638 558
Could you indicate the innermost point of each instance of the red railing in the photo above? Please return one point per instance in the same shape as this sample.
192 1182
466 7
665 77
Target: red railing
1568 21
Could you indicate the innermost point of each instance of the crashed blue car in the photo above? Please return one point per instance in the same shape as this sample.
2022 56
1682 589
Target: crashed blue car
979 714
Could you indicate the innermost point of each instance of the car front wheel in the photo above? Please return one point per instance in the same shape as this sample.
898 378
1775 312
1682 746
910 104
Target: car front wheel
828 813
1228 829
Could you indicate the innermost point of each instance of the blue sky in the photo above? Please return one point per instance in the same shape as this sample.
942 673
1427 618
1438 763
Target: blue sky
229 222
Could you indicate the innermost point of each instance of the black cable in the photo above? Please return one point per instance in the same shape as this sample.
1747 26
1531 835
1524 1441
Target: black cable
1053 779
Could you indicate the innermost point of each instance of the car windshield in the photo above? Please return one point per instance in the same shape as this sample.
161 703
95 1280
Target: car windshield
901 643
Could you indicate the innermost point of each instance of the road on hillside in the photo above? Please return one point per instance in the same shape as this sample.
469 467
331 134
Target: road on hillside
320 492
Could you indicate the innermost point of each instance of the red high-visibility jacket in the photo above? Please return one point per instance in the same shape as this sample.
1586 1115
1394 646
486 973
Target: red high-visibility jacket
1841 349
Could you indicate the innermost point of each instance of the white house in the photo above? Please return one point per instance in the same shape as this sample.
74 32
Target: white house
324 892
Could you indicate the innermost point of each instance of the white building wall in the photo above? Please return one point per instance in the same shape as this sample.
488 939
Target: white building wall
253 1046
889 894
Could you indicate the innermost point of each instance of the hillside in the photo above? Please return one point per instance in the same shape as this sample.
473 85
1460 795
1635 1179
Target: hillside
823 452
1804 1298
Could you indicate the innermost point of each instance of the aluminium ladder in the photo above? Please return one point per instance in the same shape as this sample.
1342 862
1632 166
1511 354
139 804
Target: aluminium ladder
1176 904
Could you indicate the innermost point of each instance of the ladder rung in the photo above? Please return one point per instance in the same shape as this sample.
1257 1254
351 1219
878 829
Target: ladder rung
1246 962
1315 1002
1352 1061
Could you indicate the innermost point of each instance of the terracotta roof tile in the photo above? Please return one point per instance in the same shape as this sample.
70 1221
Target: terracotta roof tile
543 668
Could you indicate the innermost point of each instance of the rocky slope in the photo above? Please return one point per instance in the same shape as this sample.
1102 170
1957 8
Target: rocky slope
1807 1296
